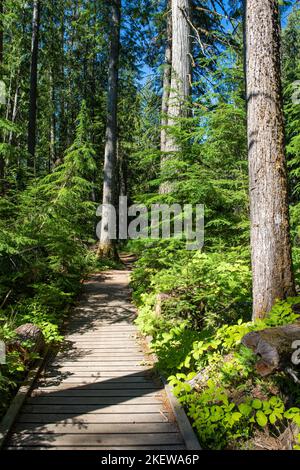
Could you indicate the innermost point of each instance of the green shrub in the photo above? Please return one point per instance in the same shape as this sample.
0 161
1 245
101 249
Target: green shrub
221 403
208 289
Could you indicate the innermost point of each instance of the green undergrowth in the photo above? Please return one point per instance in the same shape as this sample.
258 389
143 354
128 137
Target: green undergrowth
197 307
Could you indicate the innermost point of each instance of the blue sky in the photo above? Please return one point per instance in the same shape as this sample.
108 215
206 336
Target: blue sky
147 71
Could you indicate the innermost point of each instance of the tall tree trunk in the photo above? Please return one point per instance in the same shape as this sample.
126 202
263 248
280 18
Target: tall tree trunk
14 113
33 85
106 245
180 77
62 118
2 163
52 123
8 100
166 90
270 237
1 31
122 173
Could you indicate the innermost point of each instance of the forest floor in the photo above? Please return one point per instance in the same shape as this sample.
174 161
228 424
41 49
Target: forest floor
100 391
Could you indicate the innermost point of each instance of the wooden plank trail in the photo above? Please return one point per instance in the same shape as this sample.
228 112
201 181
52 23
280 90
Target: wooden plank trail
100 391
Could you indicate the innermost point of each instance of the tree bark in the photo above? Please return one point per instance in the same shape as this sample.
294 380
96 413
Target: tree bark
1 31
180 78
33 85
106 246
181 60
274 346
52 123
166 88
14 113
62 128
122 173
270 238
2 163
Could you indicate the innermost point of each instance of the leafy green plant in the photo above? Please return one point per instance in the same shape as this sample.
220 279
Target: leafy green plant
297 446
213 376
219 420
206 288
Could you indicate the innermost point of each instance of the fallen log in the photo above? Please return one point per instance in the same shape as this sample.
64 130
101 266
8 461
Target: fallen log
277 348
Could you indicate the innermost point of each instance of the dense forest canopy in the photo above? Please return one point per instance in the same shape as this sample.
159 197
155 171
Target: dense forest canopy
165 102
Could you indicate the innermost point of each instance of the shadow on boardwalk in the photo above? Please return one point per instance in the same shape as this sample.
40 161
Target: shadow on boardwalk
101 390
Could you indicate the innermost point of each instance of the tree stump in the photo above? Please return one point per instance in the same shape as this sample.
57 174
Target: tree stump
31 333
277 348
160 300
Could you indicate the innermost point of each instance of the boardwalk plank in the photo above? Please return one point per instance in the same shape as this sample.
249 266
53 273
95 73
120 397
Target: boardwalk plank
88 400
106 362
104 352
95 428
101 382
85 419
97 448
102 375
128 368
96 409
129 393
96 439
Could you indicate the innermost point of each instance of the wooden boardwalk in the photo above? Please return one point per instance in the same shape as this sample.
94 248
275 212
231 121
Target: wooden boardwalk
100 391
